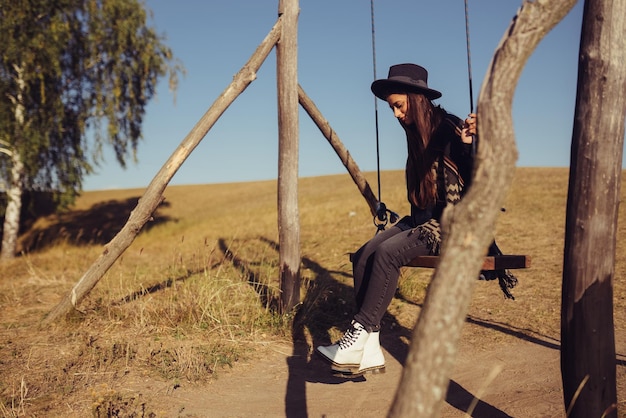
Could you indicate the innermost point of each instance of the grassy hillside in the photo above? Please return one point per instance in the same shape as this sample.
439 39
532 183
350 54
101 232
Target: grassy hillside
195 292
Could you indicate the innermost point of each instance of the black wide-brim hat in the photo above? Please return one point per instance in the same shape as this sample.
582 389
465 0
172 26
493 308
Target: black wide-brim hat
404 78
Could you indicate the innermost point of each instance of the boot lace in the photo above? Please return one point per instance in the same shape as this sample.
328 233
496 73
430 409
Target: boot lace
350 337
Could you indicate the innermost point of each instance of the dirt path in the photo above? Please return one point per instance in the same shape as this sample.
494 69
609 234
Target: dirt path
278 384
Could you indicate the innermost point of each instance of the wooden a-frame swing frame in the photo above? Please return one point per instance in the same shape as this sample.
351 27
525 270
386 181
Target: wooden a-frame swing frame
283 36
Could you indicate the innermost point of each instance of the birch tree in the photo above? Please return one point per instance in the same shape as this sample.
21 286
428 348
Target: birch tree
75 77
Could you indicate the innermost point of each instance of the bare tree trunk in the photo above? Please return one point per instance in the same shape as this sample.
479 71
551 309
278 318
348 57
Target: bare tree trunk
153 195
16 186
345 157
468 228
587 328
288 217
12 213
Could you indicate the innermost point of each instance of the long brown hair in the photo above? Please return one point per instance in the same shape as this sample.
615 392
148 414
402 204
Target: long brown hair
420 178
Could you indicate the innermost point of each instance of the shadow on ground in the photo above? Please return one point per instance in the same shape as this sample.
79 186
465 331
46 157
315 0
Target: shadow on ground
97 225
329 303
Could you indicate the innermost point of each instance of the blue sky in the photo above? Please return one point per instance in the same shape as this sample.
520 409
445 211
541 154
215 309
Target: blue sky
214 39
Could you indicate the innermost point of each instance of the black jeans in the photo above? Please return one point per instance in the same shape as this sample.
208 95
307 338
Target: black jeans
376 269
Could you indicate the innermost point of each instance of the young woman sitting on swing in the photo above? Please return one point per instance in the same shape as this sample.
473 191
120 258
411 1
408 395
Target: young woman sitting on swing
438 171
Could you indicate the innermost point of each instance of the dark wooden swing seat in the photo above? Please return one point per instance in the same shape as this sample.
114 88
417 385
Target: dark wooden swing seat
492 262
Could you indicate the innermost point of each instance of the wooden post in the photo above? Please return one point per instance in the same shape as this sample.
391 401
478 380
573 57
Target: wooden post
587 328
288 218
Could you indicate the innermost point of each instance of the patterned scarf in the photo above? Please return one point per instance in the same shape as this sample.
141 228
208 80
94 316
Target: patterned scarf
449 181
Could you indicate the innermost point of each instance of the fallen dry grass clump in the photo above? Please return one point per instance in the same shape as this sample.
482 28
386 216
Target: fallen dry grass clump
195 293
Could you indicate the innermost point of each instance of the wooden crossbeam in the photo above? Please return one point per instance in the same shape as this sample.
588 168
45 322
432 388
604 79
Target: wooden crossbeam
496 262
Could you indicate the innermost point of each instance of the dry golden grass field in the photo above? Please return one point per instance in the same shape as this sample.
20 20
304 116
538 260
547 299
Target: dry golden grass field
183 324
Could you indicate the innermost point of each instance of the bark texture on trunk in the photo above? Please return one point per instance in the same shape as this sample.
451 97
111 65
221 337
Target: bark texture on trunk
588 366
468 228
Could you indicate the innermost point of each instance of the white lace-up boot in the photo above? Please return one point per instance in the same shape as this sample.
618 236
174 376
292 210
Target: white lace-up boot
347 353
373 360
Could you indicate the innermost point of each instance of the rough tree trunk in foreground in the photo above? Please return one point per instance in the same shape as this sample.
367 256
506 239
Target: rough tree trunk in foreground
153 195
288 216
587 328
469 227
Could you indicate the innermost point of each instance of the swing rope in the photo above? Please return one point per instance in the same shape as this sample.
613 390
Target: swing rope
375 101
469 59
381 219
506 280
